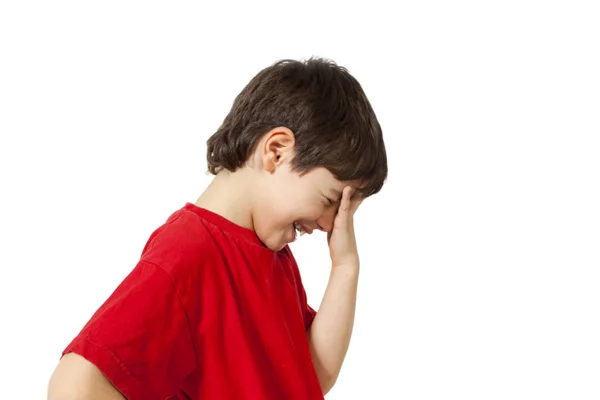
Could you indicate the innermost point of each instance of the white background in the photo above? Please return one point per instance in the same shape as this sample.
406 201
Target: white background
480 257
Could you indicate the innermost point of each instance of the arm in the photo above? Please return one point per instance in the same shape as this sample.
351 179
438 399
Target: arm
330 332
77 378
329 335
139 342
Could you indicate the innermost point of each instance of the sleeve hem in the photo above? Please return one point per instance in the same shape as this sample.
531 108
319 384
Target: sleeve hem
309 317
110 365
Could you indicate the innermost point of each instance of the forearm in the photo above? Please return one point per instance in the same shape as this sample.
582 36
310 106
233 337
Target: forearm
329 335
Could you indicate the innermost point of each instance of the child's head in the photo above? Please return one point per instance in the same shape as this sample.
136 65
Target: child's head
304 130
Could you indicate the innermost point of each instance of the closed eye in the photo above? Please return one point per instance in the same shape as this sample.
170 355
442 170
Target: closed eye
329 200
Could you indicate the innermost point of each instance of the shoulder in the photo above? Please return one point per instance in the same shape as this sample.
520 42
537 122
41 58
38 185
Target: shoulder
182 246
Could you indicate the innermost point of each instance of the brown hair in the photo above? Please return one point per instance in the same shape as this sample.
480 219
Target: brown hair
326 108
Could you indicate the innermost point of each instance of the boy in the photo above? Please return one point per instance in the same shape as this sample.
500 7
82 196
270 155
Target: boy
215 308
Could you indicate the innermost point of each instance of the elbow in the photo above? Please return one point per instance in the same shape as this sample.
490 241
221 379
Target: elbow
327 381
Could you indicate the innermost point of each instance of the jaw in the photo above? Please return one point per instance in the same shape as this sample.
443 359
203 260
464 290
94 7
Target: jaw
277 242
275 247
279 239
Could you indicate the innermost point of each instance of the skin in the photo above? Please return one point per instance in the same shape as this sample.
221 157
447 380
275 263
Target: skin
77 378
266 195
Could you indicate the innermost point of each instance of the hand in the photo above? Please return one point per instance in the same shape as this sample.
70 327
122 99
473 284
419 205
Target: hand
341 239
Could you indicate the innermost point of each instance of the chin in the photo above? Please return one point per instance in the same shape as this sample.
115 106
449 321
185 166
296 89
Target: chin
275 240
274 245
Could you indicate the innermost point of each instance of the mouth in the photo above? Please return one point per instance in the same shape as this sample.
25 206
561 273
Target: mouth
298 229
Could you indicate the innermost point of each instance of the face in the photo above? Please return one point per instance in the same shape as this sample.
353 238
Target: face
288 203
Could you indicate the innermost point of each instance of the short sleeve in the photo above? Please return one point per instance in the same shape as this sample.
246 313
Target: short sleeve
140 338
309 316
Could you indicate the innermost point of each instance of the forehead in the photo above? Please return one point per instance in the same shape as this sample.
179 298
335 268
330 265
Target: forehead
324 177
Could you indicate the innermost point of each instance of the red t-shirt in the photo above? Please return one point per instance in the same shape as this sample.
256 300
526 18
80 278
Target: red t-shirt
208 313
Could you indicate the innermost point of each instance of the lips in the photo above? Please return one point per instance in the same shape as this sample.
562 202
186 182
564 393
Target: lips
300 229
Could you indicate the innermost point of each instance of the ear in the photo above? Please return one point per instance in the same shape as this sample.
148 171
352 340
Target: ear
277 148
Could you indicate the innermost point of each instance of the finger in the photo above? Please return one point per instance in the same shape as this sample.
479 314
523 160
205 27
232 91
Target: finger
346 202
341 216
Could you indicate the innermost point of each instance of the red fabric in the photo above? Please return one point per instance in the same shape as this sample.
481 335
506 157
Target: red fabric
208 313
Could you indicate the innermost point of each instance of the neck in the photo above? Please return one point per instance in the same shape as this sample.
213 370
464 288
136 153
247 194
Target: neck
229 195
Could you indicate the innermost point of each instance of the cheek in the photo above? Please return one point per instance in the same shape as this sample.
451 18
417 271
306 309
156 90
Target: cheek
285 214
312 210
278 216
281 211
328 216
318 211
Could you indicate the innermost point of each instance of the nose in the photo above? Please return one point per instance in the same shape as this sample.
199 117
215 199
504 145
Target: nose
325 222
